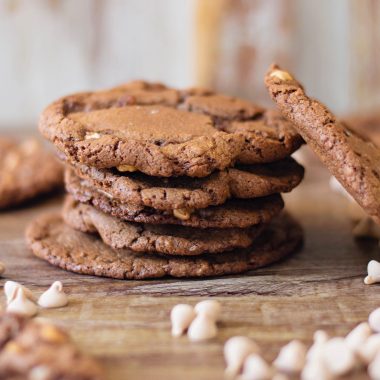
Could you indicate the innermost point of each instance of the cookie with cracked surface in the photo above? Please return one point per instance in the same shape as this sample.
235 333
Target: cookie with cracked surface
165 132
351 158
37 350
26 171
267 135
52 240
243 181
155 238
235 213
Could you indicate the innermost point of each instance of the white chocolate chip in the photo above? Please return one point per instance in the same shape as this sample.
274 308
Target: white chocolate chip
2 268
41 372
356 338
256 368
10 288
92 135
291 358
236 350
315 369
108 195
369 348
373 270
54 296
210 307
182 213
126 168
338 357
374 320
281 74
374 368
181 317
320 337
20 304
202 328
366 228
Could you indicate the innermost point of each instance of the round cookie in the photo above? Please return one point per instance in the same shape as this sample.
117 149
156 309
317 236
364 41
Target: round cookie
164 132
244 181
155 238
52 240
26 171
351 158
235 213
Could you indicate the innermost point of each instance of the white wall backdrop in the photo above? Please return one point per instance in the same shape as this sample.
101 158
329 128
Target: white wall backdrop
49 48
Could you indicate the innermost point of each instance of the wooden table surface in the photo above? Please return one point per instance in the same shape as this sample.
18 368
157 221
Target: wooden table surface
125 324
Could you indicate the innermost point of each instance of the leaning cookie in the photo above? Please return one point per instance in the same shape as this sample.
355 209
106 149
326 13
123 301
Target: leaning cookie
235 213
352 159
38 350
155 238
165 132
52 240
243 181
26 171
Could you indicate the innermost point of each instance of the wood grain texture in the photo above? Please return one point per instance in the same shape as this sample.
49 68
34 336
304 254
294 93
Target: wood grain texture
126 323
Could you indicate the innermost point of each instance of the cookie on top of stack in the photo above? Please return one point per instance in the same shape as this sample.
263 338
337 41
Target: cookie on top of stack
168 182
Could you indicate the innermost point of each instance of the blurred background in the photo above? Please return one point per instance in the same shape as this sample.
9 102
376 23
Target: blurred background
53 47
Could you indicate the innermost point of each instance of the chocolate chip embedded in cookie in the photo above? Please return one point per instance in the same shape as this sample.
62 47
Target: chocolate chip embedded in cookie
243 181
26 171
235 213
38 350
164 132
352 159
150 238
52 240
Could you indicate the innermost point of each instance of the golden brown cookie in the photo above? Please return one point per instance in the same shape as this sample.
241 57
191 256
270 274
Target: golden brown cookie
165 132
155 238
243 181
26 171
52 240
235 213
351 158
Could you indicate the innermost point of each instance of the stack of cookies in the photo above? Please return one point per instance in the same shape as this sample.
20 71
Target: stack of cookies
168 182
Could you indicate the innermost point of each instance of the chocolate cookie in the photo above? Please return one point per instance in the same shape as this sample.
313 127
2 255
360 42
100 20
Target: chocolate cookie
51 239
155 238
165 132
37 350
26 171
352 159
235 213
244 181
